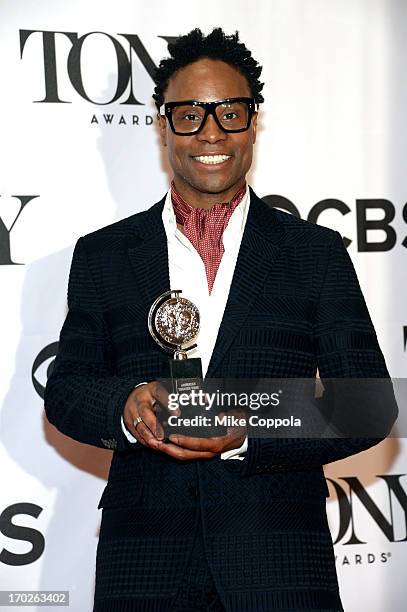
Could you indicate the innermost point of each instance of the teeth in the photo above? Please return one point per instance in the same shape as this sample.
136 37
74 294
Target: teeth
212 159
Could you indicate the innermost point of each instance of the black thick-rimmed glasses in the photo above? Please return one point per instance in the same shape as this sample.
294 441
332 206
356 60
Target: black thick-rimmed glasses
187 117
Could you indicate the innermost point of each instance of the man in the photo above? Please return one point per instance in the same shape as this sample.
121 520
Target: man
230 522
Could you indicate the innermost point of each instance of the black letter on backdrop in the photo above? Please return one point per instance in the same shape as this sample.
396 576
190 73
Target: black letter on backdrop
75 75
384 224
50 64
24 534
323 205
5 253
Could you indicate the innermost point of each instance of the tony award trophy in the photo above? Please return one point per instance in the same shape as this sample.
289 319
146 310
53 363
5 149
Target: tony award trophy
173 322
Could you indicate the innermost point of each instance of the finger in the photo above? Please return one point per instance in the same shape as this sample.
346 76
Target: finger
197 444
145 434
178 452
161 395
148 414
145 395
149 429
134 429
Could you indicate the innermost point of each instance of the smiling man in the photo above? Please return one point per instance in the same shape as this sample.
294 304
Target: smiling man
229 522
209 164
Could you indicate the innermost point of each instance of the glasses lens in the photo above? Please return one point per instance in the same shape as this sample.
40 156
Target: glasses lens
187 118
233 115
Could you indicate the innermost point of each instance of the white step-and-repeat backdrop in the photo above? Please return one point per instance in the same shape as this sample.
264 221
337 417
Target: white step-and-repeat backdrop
79 150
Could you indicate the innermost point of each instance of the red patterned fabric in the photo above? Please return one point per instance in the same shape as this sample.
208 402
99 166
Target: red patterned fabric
204 228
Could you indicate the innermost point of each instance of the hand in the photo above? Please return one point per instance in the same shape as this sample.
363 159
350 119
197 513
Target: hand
188 447
144 401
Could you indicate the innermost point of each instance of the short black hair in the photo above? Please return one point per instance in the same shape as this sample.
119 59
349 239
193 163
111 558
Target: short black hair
217 45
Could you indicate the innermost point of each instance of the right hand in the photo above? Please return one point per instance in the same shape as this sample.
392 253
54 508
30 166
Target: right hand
142 402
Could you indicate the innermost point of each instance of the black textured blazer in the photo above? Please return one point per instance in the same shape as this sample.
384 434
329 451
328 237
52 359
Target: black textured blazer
294 305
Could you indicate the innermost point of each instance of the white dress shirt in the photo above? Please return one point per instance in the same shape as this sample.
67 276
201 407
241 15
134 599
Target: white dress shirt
187 272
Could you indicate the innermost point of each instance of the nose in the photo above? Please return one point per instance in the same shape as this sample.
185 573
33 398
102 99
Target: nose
211 132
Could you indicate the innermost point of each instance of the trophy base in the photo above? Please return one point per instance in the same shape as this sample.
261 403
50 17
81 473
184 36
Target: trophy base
195 420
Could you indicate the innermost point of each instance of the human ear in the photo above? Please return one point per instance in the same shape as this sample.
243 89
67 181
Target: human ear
162 127
254 126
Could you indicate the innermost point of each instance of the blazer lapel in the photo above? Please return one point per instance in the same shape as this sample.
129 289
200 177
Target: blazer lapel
258 252
149 255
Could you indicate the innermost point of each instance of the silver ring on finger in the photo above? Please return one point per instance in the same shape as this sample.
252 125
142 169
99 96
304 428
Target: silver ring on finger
137 421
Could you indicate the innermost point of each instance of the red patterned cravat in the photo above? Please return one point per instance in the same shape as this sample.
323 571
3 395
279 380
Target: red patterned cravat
204 228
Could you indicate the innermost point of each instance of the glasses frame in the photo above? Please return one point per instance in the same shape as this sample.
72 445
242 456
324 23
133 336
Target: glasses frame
210 108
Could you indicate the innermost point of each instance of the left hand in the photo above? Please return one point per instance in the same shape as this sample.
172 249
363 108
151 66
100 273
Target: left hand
188 447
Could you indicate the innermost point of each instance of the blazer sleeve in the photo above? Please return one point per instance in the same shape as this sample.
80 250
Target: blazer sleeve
83 398
346 347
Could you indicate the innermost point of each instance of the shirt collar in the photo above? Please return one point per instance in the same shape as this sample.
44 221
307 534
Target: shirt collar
234 228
